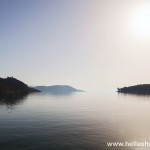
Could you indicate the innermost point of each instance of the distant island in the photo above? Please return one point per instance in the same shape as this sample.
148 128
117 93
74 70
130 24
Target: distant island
136 89
57 89
10 86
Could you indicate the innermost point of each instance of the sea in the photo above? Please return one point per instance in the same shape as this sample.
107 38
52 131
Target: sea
75 121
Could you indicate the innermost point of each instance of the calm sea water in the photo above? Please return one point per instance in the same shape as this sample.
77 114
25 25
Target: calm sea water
79 121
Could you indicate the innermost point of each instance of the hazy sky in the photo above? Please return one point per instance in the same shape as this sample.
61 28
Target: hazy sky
89 44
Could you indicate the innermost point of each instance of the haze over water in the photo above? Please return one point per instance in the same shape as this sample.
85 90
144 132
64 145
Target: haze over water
78 121
92 45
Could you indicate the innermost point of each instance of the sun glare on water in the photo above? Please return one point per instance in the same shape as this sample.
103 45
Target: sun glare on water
140 21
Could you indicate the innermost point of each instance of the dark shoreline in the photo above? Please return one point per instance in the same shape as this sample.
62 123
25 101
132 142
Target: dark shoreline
141 89
13 88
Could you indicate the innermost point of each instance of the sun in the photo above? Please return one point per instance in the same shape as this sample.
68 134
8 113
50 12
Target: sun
140 21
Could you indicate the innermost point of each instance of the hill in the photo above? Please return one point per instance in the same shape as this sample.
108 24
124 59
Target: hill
136 89
57 89
12 86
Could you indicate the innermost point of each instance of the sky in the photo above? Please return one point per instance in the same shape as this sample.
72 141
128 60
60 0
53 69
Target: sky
88 44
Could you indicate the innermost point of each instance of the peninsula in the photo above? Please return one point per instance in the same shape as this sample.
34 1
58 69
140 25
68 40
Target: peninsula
136 89
57 89
12 86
